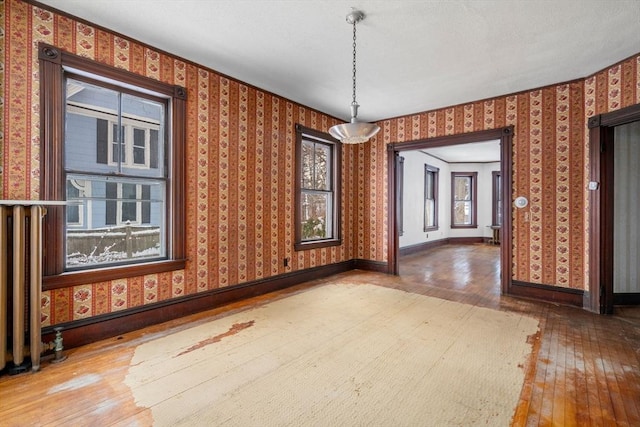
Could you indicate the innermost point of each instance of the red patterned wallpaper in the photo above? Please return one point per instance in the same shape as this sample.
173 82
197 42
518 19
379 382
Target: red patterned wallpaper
240 167
550 164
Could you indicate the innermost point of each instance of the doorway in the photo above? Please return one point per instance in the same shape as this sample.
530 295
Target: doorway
505 135
614 231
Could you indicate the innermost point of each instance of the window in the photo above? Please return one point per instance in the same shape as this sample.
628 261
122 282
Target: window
463 199
111 144
128 203
135 145
430 198
317 189
117 147
400 180
496 216
76 190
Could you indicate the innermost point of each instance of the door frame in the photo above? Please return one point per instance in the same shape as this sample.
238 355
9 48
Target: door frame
601 167
505 135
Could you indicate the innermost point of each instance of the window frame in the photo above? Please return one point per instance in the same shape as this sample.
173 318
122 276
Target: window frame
303 132
428 169
54 63
496 200
474 199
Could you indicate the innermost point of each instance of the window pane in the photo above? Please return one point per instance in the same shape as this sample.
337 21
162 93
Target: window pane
141 117
118 148
111 202
128 208
139 146
136 106
462 213
73 195
124 220
153 148
316 209
429 213
316 166
428 191
497 198
462 188
146 206
88 111
307 164
322 167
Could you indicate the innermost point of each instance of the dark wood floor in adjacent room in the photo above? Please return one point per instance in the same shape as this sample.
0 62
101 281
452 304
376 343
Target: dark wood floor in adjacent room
584 369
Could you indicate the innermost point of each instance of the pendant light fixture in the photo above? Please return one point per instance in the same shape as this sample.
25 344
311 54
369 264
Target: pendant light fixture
354 132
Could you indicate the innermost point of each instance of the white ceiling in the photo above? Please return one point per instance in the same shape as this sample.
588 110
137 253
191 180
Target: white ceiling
477 152
413 55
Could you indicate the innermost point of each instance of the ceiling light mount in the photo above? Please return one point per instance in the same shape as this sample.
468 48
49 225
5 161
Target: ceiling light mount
355 16
354 132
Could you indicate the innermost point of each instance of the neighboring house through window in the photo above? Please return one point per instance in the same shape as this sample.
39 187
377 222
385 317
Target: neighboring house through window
464 199
118 146
430 198
317 189
112 147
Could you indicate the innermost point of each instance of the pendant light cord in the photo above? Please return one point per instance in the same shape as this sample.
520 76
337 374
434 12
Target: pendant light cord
354 62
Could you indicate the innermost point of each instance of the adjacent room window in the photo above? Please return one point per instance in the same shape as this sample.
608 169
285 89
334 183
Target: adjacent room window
317 189
430 198
400 180
118 146
463 199
496 216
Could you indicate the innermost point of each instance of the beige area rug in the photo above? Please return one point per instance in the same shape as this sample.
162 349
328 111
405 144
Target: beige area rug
339 355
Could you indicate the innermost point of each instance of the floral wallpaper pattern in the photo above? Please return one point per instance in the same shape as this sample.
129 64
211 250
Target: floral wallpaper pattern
550 165
240 166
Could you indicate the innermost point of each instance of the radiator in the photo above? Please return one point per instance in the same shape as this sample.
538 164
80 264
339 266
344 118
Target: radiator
20 238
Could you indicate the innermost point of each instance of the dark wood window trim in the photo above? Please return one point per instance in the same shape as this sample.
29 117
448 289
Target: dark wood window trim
435 171
495 196
53 63
474 198
336 152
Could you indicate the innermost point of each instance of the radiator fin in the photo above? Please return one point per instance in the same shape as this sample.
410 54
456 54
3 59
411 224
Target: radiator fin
20 240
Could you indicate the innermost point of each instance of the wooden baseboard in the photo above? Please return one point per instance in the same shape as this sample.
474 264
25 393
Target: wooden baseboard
548 293
407 250
626 299
466 240
80 332
419 247
366 264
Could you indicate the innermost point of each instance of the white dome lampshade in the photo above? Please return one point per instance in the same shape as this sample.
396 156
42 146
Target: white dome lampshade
354 132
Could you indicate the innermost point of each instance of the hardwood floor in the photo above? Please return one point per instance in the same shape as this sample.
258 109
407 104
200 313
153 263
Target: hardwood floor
584 369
